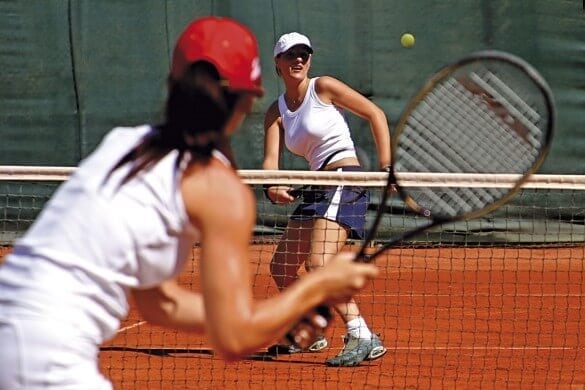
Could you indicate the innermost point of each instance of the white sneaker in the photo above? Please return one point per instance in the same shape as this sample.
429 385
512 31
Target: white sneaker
356 350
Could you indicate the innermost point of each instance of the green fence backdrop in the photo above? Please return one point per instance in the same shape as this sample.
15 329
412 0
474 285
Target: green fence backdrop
73 69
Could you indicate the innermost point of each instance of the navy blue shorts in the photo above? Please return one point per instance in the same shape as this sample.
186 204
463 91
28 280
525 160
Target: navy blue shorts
346 205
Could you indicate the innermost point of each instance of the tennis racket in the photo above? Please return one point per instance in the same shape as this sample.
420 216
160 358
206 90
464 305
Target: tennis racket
488 113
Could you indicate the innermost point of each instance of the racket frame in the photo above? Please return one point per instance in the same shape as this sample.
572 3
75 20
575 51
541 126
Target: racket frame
392 183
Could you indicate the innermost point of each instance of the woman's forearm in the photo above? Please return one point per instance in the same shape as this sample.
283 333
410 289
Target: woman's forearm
171 305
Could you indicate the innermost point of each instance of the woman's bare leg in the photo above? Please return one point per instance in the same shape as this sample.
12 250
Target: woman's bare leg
292 251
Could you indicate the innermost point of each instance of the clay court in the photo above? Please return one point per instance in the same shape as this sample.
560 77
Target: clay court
492 302
450 317
497 302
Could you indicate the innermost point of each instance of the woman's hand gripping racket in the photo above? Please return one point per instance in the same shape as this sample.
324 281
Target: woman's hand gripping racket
488 113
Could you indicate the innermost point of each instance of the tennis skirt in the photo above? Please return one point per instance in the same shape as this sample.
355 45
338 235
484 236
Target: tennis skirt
346 205
38 352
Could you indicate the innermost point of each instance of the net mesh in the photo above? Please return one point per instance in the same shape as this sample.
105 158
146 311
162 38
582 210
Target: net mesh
493 302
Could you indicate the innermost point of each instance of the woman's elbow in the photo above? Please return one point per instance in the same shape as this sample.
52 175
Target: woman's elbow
380 114
235 340
230 356
231 349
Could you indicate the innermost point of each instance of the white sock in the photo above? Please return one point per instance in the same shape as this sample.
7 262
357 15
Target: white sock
358 328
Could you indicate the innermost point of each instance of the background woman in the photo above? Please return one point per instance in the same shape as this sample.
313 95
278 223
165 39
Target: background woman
308 118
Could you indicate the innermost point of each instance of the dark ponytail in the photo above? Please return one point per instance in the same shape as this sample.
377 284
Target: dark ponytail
196 111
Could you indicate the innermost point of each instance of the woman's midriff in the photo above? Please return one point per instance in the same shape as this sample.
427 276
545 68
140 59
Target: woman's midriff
344 162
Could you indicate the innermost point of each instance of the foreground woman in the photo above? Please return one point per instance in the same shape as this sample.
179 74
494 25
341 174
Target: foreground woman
125 224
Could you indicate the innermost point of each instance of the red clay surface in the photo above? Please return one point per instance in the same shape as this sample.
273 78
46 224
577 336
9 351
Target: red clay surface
450 317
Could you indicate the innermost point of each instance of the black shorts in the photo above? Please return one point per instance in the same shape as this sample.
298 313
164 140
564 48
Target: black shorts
346 205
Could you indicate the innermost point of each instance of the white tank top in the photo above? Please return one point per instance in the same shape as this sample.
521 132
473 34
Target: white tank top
316 130
94 241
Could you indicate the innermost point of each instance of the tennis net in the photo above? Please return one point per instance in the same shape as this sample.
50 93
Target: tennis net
493 302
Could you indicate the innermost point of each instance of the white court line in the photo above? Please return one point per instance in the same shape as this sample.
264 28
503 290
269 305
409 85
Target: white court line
484 348
477 295
436 348
136 325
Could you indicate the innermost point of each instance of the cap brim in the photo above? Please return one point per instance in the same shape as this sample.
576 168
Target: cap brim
309 48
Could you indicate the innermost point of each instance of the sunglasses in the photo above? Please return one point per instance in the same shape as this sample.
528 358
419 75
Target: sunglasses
293 54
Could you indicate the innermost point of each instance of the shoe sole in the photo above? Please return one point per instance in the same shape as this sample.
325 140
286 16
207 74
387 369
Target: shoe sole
376 353
318 346
282 350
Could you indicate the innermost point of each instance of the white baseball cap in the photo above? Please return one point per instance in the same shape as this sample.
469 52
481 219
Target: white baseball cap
289 40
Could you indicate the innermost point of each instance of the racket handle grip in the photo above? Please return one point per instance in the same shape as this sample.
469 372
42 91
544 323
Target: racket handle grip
323 310
295 192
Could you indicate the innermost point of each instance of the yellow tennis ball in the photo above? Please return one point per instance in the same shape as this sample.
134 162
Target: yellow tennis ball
407 40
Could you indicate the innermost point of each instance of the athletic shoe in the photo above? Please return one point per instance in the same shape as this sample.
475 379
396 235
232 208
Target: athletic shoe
318 345
356 350
281 349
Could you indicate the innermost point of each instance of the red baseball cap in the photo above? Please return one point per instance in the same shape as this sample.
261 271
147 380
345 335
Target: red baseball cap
227 44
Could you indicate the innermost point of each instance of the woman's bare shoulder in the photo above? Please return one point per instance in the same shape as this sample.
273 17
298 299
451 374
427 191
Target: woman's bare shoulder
272 115
216 191
273 111
326 83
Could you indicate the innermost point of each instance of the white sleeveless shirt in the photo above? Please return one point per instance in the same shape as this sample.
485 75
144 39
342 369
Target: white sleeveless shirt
95 240
316 129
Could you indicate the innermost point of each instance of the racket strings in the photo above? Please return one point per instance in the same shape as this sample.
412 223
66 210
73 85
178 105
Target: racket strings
491 83
450 202
439 129
458 151
447 145
520 116
490 141
472 122
492 136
